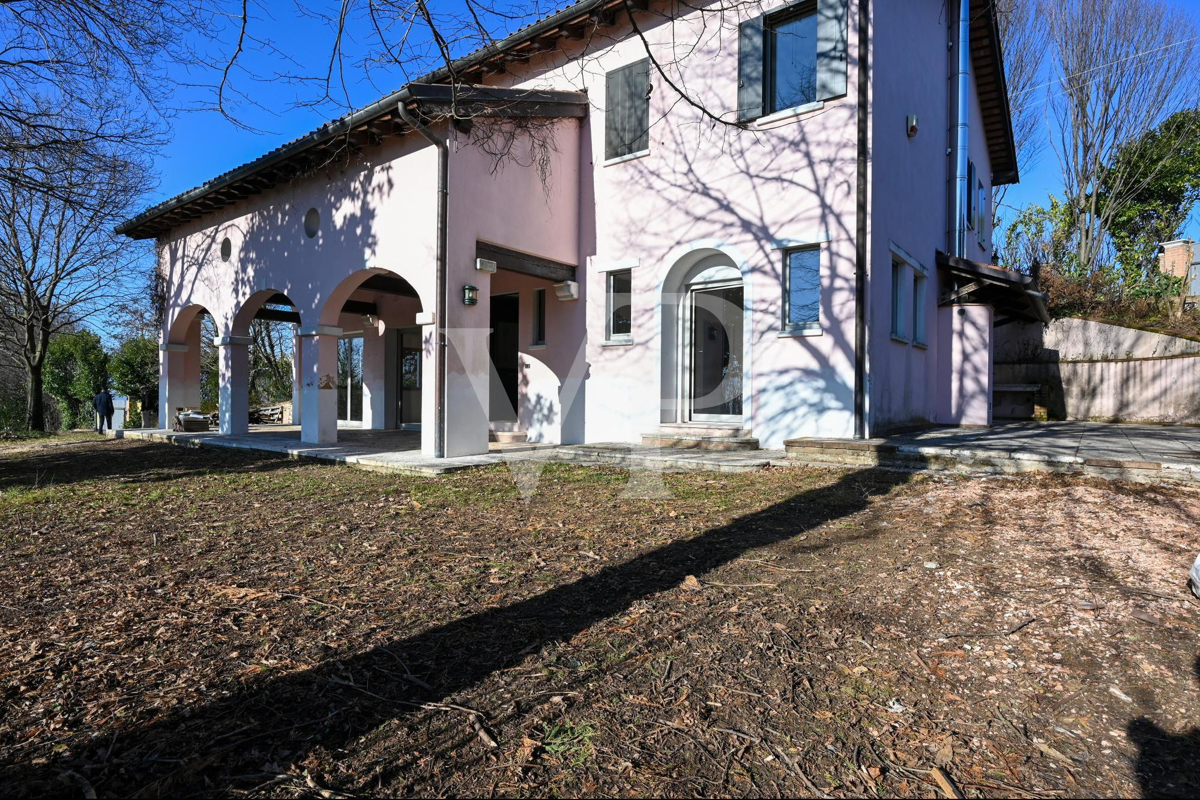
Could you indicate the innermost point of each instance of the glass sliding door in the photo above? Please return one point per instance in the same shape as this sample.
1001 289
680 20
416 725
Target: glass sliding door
350 379
716 353
411 351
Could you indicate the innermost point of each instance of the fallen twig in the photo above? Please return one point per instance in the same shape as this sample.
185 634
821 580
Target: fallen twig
947 784
1008 632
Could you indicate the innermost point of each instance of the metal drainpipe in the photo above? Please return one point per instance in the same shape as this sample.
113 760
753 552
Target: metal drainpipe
439 287
964 92
860 232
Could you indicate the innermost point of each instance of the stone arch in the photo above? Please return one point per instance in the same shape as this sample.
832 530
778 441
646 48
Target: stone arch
234 355
362 281
351 383
180 375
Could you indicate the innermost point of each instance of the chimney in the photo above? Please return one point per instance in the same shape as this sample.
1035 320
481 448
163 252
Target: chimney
1176 257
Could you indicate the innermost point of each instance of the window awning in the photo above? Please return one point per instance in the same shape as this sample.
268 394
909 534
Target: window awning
1014 295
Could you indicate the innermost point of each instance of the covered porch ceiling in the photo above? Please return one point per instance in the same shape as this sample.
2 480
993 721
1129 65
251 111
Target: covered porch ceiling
279 307
1015 296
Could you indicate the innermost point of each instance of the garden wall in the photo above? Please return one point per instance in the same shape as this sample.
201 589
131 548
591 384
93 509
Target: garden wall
1096 370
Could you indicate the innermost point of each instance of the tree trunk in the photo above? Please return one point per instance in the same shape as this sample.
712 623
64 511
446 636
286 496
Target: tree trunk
35 406
37 339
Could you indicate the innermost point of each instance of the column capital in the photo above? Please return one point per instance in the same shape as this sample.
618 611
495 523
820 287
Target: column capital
319 330
173 347
225 341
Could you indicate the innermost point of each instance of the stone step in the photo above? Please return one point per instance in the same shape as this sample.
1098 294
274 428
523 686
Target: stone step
712 429
636 457
696 441
978 460
505 437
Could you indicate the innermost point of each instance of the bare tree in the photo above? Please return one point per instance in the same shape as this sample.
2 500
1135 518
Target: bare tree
60 262
1024 38
86 73
1121 67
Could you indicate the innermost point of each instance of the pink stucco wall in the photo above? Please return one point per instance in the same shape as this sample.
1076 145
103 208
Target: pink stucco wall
709 188
706 193
965 365
912 201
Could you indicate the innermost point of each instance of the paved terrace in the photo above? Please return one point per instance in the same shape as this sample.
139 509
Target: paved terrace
384 451
1133 452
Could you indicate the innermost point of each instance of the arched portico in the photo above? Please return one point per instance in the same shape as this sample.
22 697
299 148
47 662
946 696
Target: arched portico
705 335
363 363
233 355
179 364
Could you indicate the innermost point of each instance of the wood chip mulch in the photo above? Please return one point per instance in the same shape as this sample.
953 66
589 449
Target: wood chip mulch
211 623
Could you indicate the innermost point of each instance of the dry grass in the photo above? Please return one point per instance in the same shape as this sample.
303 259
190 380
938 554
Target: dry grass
208 622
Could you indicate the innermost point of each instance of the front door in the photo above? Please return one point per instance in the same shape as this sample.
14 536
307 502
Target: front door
716 353
503 346
409 371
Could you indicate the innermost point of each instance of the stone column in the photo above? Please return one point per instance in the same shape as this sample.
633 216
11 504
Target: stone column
233 373
319 383
297 375
171 380
375 369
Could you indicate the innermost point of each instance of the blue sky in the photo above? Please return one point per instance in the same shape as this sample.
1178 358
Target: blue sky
204 144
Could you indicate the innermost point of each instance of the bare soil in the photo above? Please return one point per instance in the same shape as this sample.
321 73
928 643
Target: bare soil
207 622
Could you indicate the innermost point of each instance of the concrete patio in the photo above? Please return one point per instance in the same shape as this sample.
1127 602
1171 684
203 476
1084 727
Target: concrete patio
1134 452
383 451
1146 453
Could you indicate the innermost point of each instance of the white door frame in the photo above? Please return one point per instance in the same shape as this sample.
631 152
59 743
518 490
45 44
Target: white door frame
685 341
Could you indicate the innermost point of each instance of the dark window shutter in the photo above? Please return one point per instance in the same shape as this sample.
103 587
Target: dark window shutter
627 110
832 31
751 63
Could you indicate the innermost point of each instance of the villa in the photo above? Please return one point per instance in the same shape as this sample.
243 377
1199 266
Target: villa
631 219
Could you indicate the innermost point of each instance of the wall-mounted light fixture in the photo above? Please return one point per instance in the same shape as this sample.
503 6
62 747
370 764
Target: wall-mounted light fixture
910 125
370 320
470 295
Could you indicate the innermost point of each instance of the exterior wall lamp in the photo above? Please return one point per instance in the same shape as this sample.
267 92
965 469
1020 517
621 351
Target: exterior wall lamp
470 295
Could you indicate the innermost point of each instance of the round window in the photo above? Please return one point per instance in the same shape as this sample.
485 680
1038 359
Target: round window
312 222
226 249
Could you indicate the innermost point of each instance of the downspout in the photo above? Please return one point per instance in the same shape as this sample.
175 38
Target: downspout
439 285
860 232
963 140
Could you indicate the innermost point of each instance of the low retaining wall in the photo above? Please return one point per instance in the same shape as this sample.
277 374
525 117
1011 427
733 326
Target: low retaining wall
1154 390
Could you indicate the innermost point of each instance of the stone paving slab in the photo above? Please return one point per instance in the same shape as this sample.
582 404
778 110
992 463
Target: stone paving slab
382 451
1146 453
666 459
1133 452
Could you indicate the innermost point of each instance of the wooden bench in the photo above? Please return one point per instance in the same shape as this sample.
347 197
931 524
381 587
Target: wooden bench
1020 400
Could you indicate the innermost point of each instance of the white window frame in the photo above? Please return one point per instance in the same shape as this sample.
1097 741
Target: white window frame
539 318
980 213
899 331
920 315
610 337
787 327
970 211
918 301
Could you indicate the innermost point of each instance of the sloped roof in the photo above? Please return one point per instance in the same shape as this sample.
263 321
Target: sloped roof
370 125
1013 294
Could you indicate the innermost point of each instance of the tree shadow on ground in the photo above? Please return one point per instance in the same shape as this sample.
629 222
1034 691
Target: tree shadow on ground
62 466
198 750
1168 764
